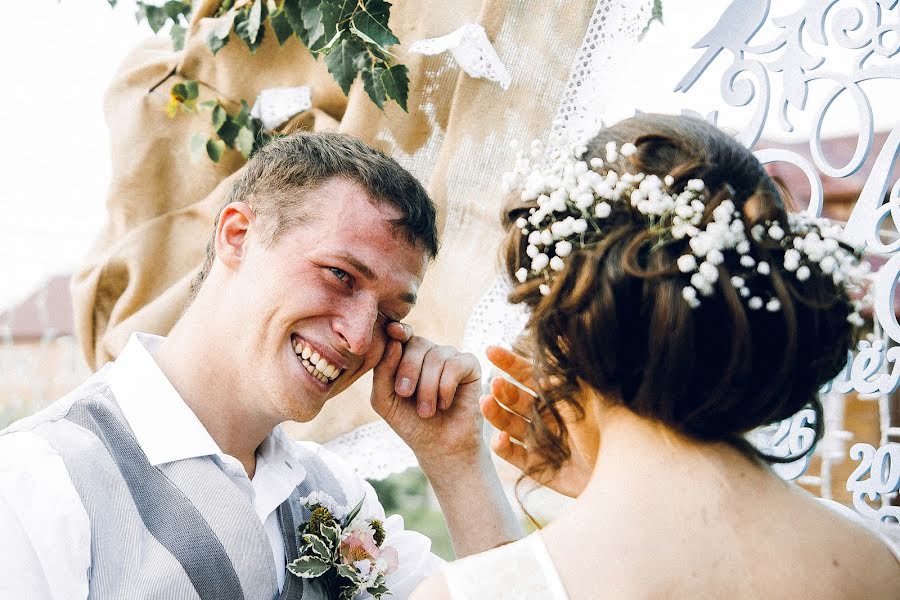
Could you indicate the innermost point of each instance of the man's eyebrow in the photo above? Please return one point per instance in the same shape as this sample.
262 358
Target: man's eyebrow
365 271
358 265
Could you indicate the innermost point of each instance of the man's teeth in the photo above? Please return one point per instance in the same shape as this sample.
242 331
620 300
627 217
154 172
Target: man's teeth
317 366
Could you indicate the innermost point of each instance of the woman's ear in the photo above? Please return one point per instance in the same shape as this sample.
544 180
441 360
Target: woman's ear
235 221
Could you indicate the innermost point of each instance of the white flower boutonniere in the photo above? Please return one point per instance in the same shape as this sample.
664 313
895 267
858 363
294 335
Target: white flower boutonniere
343 549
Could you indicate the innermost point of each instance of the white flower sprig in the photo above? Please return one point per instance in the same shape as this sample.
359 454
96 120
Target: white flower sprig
573 198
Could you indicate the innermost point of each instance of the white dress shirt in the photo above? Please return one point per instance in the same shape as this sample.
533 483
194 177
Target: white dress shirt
44 529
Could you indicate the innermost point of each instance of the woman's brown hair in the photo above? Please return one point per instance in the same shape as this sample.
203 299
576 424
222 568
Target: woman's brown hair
615 319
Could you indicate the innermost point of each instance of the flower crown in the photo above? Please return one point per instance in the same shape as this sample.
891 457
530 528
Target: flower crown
573 199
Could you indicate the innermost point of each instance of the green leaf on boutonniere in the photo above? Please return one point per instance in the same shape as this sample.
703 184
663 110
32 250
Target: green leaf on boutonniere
331 534
352 514
349 573
309 567
318 546
378 590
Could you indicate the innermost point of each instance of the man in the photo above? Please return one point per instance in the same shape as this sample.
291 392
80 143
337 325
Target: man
167 475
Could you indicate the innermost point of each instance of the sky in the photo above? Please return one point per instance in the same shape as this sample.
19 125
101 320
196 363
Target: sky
55 164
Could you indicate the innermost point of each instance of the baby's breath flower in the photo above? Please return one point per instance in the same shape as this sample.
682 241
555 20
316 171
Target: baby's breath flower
690 295
563 248
569 196
687 263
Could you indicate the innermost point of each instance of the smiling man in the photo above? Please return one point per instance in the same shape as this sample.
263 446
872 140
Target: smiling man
167 475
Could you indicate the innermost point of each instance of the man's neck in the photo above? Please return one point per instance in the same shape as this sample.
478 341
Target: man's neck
207 381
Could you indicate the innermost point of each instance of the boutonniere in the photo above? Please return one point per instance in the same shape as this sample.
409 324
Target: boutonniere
343 549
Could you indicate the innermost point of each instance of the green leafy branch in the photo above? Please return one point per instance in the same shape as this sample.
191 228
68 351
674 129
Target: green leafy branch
241 131
176 11
353 36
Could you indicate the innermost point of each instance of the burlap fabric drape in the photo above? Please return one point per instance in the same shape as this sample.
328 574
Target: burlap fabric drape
455 139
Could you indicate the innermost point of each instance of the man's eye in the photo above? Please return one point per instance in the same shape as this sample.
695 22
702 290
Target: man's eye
340 274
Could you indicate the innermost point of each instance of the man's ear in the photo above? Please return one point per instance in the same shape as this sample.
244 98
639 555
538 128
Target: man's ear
232 233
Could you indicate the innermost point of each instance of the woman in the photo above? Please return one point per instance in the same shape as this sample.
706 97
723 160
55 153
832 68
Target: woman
674 307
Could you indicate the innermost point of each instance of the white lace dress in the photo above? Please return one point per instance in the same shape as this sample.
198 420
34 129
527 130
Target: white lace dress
522 570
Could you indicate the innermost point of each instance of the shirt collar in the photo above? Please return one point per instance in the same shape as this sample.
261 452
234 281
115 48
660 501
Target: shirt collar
165 426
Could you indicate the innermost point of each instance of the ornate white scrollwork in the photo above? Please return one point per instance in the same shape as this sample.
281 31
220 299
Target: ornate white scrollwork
869 33
791 438
809 46
883 467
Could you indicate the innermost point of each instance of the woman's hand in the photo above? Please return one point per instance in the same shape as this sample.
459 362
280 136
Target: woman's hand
505 408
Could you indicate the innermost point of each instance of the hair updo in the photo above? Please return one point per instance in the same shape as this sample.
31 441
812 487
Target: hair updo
615 319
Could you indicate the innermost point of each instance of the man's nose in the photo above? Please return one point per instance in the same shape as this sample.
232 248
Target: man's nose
356 326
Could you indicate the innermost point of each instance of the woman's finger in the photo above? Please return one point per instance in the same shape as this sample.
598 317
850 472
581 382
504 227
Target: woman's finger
502 419
511 396
513 453
517 367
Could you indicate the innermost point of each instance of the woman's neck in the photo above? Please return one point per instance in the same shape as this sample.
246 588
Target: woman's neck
639 459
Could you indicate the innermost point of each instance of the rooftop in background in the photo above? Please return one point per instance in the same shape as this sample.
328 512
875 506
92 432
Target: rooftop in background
46 311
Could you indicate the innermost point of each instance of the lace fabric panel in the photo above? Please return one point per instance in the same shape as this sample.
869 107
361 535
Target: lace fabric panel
374 451
613 29
471 48
275 106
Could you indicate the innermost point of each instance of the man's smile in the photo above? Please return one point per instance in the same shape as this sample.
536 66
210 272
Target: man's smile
314 361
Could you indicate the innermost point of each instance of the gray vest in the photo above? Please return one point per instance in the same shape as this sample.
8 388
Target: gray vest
181 530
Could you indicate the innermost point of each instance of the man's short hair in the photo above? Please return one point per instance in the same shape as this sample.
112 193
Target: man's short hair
280 177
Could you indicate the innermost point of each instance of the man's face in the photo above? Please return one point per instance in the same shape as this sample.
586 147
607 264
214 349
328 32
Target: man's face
315 304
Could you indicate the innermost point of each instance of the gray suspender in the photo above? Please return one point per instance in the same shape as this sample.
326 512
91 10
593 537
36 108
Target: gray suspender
167 514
